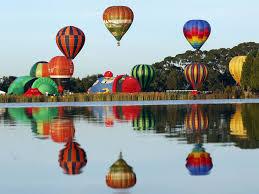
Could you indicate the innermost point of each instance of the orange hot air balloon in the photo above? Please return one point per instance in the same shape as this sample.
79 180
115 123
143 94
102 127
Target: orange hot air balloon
70 41
72 158
121 175
62 130
118 20
196 120
61 67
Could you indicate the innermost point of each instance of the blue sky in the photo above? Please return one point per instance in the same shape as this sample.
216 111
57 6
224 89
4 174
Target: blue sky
29 27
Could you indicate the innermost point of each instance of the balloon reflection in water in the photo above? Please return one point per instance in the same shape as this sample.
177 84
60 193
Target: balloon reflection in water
72 158
121 175
145 121
126 113
237 128
62 130
199 161
196 120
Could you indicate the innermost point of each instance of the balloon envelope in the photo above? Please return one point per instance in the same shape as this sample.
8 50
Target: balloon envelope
145 74
61 67
197 32
118 20
235 67
40 69
196 74
70 41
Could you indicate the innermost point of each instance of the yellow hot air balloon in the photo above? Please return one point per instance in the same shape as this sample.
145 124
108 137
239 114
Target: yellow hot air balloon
235 67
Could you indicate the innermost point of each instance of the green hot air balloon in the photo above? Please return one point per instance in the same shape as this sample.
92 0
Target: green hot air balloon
145 74
20 85
46 85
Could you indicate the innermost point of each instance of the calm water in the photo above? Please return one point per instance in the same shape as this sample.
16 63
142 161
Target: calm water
192 149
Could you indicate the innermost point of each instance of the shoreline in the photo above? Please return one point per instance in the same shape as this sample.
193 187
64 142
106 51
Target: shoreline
130 103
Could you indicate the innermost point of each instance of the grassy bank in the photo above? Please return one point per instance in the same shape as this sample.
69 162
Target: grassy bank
82 97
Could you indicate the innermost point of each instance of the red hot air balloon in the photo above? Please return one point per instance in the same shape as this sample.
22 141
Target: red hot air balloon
196 74
108 74
72 158
70 41
61 67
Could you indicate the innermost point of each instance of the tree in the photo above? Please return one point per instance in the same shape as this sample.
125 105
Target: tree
246 72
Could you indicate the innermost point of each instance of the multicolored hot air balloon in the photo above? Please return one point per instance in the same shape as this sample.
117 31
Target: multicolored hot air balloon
40 69
199 161
121 175
72 158
145 74
118 20
196 74
196 120
197 32
235 68
70 41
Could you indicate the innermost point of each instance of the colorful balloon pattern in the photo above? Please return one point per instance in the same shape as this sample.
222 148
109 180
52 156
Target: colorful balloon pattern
145 74
196 120
118 20
199 161
236 66
121 175
197 32
72 158
40 69
196 74
70 41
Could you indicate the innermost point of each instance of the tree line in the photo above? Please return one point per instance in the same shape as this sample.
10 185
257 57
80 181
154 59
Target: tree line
170 71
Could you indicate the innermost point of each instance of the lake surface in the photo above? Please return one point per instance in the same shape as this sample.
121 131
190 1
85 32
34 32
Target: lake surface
195 148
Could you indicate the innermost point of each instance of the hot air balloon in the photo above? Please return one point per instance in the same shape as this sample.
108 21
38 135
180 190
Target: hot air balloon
235 67
199 161
196 74
72 158
21 85
62 130
40 69
70 41
196 120
61 70
118 20
45 85
121 175
126 84
145 74
40 129
197 32
108 74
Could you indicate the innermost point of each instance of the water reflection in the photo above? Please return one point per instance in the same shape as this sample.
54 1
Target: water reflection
121 175
213 123
72 158
199 161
